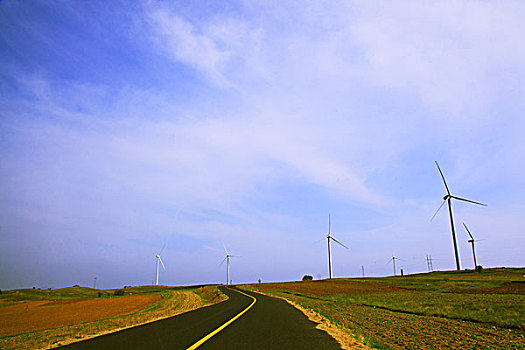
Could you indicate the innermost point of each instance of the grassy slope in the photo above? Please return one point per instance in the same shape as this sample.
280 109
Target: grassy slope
464 310
20 295
174 301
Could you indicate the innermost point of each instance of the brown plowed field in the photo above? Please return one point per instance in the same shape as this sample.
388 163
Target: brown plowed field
324 288
505 288
37 315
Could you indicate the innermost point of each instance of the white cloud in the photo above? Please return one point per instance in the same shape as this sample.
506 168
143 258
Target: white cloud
453 54
216 49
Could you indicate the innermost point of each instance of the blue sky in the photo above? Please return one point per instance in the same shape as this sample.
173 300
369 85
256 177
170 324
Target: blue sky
127 125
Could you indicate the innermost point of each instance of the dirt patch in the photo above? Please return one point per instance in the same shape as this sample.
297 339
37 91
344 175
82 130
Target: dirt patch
37 315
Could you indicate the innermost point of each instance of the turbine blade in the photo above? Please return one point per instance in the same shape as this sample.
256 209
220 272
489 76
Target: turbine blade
433 216
164 246
339 242
468 200
329 225
226 250
222 262
160 259
443 177
466 228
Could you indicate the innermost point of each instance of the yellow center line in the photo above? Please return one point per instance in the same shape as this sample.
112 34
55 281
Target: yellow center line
206 338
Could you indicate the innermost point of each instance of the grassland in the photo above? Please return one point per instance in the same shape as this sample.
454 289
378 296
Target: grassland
33 319
440 310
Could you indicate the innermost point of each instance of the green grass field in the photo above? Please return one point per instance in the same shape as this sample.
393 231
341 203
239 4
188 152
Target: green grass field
461 310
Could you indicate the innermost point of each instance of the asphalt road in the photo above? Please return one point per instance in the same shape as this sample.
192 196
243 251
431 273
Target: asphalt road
269 324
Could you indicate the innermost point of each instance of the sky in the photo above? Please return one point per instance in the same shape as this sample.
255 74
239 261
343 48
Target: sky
126 126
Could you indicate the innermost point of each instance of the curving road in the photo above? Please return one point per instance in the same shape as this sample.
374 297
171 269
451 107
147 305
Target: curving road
269 323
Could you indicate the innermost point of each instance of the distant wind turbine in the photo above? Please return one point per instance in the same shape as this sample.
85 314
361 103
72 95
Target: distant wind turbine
227 259
471 241
329 238
393 259
157 266
448 198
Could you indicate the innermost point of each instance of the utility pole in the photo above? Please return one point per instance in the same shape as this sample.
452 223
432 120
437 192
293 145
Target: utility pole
363 270
429 263
95 283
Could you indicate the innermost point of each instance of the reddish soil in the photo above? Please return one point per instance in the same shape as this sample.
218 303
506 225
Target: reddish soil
325 288
37 315
505 288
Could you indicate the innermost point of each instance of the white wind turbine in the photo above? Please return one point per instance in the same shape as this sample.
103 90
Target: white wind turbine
157 266
471 241
328 238
227 258
448 198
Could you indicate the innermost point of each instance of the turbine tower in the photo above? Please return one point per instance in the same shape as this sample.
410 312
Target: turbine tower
471 241
157 266
227 258
448 198
329 238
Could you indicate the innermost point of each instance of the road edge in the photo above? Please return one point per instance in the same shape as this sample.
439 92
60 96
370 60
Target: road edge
344 339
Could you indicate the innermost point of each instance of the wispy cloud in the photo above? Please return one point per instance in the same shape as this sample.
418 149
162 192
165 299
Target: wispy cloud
215 49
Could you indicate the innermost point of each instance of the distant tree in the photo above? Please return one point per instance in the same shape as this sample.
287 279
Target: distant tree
118 292
259 281
0 292
307 278
479 268
99 294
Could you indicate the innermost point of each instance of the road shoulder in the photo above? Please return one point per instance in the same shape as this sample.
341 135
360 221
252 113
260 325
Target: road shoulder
346 341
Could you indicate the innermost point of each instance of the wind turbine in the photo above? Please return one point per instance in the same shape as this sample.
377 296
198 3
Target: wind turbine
471 241
227 258
393 259
157 267
448 198
328 238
